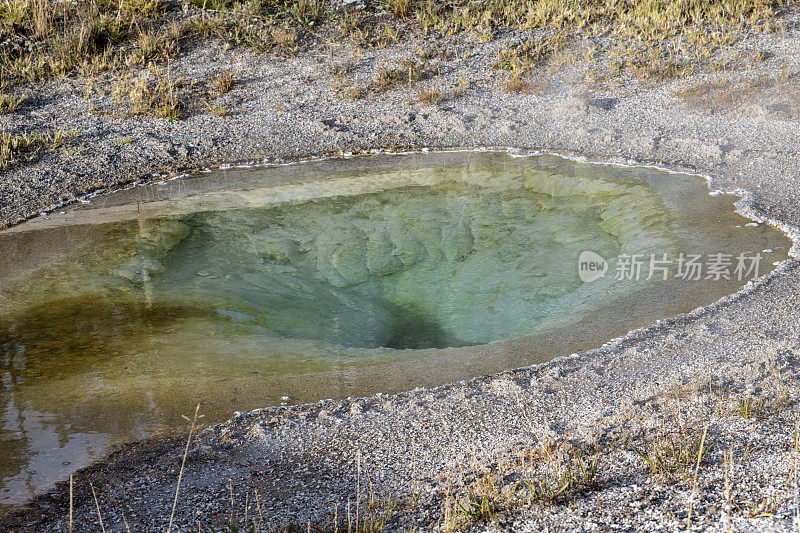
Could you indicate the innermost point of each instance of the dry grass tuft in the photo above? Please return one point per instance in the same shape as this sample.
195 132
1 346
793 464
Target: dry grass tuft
524 55
551 473
404 73
516 83
673 453
430 96
345 87
9 102
400 8
223 81
153 93
14 146
752 408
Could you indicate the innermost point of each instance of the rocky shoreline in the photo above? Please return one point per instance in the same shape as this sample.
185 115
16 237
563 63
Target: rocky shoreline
420 452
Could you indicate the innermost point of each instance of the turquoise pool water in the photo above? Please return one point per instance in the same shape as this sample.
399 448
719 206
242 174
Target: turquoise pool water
253 287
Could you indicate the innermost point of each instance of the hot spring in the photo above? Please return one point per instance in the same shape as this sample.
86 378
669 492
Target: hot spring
245 288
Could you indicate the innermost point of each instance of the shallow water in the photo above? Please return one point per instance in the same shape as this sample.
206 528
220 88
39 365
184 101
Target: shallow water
339 278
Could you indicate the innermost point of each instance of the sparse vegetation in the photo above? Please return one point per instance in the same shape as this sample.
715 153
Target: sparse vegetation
673 452
9 102
217 110
43 40
521 56
654 41
517 82
661 40
223 81
641 20
749 407
155 93
86 36
14 146
400 8
551 473
404 73
431 96
744 96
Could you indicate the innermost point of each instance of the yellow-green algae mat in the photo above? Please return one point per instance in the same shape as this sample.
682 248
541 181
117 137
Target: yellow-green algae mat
246 288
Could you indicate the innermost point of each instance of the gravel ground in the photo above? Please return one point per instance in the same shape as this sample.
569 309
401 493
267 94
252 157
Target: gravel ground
291 465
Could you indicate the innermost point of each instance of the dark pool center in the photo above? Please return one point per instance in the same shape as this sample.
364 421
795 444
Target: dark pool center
244 288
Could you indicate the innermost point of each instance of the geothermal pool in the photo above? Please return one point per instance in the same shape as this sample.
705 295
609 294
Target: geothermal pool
246 288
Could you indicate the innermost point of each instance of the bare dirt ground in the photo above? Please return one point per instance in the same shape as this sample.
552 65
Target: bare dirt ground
691 423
